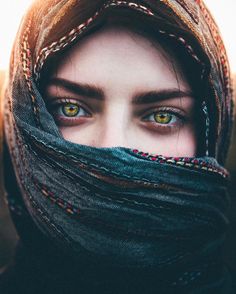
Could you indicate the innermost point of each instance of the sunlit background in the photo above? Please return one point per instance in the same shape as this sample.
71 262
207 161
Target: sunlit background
11 12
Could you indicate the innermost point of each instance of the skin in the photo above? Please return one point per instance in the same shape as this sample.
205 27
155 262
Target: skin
116 87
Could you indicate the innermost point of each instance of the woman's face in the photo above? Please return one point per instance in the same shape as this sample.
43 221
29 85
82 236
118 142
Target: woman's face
119 88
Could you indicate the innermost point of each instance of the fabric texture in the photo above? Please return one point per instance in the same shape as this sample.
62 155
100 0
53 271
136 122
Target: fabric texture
129 221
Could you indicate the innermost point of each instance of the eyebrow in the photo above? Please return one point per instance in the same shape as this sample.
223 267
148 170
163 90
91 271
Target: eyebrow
77 88
155 96
95 92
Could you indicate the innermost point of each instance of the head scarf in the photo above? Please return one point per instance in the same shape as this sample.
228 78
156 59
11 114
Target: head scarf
159 219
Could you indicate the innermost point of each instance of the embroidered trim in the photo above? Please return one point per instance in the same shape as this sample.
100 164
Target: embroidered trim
27 68
41 212
207 122
74 33
72 36
56 200
119 200
184 162
187 46
76 212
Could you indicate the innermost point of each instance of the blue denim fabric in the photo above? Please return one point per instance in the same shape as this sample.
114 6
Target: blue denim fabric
112 206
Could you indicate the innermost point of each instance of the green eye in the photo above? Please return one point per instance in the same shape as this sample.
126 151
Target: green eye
163 118
70 109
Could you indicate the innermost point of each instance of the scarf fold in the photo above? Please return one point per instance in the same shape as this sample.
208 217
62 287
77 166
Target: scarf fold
117 211
125 209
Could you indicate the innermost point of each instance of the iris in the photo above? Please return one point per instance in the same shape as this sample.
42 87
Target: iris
163 117
70 109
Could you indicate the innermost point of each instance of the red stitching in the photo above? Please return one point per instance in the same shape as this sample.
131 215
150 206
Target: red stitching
74 33
183 161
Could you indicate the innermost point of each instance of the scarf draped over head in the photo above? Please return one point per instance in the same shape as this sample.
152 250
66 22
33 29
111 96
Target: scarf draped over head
117 207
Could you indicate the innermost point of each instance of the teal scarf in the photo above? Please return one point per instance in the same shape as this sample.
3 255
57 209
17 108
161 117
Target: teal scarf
139 221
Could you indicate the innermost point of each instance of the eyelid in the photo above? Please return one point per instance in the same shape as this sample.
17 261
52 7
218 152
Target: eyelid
172 110
57 101
164 129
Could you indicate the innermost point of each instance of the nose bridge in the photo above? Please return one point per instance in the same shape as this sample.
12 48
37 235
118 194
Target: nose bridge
113 137
114 127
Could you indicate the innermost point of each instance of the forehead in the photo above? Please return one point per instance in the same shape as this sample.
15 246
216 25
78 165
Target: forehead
118 53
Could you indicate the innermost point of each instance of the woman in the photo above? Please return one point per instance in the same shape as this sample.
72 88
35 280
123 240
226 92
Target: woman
96 89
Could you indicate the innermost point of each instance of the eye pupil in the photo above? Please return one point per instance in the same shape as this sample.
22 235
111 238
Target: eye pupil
70 109
163 118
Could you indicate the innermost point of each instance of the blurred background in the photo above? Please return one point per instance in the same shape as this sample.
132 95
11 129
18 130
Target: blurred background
11 13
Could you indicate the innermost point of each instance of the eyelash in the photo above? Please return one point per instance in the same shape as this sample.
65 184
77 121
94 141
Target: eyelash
179 115
62 119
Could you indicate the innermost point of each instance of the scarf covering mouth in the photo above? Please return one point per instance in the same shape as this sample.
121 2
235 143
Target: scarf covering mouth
121 208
